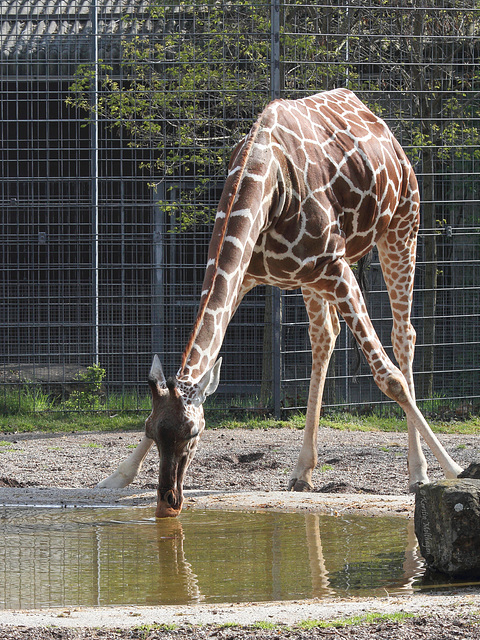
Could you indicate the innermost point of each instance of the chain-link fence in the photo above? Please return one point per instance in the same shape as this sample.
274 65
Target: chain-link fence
118 118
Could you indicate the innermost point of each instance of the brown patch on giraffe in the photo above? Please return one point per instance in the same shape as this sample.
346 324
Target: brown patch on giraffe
321 174
358 246
336 111
368 347
349 201
340 144
369 217
257 266
194 358
342 290
277 247
282 268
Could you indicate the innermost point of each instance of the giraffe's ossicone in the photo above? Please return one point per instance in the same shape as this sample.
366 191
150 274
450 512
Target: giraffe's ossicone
310 190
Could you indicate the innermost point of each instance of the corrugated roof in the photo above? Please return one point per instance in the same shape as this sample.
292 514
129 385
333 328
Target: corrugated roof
39 37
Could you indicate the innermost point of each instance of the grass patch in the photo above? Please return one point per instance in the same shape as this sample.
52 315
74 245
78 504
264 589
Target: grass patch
368 618
263 624
145 630
132 418
344 421
323 468
56 422
24 399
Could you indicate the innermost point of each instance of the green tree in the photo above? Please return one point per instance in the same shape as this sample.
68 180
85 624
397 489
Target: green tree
186 87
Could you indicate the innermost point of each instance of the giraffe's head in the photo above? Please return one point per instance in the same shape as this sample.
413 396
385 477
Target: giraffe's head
175 425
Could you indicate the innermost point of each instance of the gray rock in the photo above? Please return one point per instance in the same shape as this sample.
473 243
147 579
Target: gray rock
447 526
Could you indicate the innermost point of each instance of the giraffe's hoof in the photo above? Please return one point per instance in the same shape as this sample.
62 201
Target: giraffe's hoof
472 471
299 485
415 486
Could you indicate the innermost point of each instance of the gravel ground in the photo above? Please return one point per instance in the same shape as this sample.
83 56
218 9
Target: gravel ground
363 464
420 628
227 460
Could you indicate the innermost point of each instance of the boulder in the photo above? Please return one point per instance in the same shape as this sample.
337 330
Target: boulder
447 526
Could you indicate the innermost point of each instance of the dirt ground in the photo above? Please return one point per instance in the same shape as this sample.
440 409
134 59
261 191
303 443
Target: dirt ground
227 460
419 628
354 468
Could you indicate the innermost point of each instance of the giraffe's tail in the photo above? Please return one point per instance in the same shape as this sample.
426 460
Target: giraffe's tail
361 275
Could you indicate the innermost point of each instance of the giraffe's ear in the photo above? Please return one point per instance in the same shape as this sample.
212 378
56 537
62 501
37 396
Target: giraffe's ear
207 384
156 376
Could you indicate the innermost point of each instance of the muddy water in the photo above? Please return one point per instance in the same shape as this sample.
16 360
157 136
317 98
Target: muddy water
89 557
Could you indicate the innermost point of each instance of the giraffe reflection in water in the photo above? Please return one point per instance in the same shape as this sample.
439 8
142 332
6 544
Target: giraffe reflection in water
97 557
183 583
334 568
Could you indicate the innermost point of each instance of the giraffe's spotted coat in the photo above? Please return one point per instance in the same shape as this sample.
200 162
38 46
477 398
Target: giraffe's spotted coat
313 187
324 181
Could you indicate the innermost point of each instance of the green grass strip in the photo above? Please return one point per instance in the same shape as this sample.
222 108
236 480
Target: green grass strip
368 618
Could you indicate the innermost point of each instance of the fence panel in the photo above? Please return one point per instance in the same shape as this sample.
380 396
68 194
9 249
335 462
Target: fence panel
118 119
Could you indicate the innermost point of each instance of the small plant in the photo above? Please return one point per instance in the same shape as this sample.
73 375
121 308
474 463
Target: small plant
368 618
90 395
325 467
145 630
228 625
264 625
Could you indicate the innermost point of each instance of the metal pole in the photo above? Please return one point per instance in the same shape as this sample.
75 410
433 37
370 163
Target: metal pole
275 87
158 298
276 294
94 183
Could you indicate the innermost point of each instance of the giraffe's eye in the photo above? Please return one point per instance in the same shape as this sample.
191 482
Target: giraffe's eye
193 434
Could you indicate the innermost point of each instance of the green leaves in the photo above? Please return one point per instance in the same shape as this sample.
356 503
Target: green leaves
188 88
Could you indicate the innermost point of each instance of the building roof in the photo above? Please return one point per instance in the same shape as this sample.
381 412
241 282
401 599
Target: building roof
51 37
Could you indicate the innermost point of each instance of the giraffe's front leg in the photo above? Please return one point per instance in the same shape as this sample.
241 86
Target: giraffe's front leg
301 478
129 468
324 329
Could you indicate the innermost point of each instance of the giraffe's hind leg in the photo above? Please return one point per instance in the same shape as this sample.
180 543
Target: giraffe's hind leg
396 251
338 285
323 330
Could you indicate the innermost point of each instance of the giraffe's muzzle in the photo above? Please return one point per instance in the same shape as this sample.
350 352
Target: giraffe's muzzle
169 503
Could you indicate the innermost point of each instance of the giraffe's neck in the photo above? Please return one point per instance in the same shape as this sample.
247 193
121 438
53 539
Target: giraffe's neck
243 211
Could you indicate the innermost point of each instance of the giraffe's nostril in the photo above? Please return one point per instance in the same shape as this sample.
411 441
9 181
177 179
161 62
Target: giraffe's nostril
169 497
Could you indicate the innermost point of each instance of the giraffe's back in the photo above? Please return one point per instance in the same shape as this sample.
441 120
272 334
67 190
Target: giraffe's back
344 175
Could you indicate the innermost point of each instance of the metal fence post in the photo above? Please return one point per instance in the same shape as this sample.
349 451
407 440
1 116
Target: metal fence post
158 298
94 185
275 90
275 87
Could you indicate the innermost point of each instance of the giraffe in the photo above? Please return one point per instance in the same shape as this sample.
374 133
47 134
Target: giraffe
311 189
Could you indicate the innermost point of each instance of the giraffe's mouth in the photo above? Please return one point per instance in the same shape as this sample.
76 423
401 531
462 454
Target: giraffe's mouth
169 503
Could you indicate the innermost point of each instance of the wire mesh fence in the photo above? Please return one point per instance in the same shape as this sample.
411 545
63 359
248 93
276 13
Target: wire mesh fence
118 119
